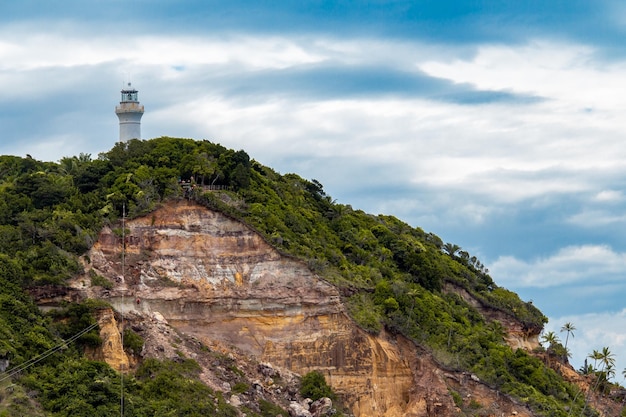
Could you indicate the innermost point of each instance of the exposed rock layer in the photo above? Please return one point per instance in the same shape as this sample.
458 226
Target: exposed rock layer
216 279
111 350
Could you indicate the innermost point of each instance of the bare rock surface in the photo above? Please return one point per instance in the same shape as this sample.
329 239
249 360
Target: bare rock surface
193 279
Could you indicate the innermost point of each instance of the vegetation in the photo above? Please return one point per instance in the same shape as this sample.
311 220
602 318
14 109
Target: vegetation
394 276
270 410
314 386
159 388
133 343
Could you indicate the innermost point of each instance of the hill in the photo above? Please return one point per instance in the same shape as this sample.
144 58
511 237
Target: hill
235 280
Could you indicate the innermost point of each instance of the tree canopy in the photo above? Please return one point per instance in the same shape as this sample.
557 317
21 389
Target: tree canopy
392 275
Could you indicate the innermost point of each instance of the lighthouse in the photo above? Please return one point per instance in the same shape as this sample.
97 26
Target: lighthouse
129 112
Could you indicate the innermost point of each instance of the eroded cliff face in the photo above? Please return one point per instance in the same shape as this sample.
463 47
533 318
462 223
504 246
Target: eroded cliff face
217 280
111 350
516 335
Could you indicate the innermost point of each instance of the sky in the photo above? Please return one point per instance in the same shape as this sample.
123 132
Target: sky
496 125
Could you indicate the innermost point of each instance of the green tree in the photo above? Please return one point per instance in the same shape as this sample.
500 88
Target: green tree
205 168
569 328
314 386
550 338
44 189
393 274
606 359
451 249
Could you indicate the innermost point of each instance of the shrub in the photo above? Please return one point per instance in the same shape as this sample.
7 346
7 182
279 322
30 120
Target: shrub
239 388
474 405
271 410
456 397
314 386
391 305
100 281
132 341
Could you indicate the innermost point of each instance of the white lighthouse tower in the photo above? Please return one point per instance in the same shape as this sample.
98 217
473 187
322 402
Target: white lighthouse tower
129 112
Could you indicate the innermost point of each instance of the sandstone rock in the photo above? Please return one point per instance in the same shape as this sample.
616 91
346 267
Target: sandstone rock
321 407
268 370
159 317
111 350
235 401
256 385
213 278
292 393
297 410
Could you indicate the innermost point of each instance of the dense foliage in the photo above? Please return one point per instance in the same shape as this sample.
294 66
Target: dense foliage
314 386
78 387
391 274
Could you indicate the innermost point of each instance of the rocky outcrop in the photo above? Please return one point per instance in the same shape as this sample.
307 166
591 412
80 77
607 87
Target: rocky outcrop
111 350
215 279
516 334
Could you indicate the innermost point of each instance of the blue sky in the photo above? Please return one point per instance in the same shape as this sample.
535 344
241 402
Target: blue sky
497 125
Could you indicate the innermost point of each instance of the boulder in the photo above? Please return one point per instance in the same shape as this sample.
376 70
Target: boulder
321 407
297 410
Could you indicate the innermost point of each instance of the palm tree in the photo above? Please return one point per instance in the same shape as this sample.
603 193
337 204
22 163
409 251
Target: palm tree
610 372
451 249
569 328
596 356
550 338
607 361
413 293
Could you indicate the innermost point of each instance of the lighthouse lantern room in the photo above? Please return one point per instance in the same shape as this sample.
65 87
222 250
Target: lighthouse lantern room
129 112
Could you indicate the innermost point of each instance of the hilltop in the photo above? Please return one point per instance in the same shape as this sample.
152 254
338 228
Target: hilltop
215 283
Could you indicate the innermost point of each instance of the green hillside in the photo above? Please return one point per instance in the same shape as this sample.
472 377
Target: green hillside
391 275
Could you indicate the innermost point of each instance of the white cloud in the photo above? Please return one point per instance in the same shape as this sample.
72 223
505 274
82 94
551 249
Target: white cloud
461 149
570 265
575 127
565 72
458 147
591 218
609 196
27 48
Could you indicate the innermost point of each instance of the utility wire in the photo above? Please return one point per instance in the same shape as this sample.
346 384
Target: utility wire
122 306
31 362
11 372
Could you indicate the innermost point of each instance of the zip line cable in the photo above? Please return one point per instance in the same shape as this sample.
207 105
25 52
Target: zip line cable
122 306
31 362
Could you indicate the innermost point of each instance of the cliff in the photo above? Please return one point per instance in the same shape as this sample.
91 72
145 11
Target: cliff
517 335
211 278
